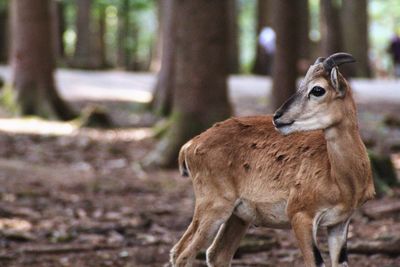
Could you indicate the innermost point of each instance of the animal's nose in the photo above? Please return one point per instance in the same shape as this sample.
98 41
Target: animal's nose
278 114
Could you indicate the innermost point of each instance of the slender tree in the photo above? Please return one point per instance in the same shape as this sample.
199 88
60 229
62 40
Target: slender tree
303 30
162 101
285 21
233 52
123 56
355 31
331 33
32 60
3 32
58 27
99 53
83 47
157 48
200 95
135 63
264 19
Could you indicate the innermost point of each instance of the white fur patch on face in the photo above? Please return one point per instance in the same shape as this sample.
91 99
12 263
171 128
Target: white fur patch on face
285 130
313 123
310 124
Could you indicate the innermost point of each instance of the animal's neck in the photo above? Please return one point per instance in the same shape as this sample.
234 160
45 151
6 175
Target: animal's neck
348 159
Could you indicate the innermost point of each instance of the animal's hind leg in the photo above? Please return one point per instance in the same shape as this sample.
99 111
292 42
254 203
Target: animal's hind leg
208 217
182 243
337 237
227 241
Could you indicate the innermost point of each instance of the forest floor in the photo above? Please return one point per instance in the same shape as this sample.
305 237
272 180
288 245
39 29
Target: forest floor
79 197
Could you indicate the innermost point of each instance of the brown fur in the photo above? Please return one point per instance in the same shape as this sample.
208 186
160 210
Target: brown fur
245 172
237 149
250 141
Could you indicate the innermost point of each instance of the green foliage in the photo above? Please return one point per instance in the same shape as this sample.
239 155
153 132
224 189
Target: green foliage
143 21
161 128
247 33
69 36
3 4
142 25
383 172
142 4
314 33
384 23
8 101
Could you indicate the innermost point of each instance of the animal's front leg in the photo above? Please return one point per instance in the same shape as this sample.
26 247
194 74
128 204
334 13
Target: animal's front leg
337 238
302 227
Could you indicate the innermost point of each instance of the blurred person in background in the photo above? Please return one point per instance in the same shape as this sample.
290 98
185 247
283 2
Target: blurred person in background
267 41
394 50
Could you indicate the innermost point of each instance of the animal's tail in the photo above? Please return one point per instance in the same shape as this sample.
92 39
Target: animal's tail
183 167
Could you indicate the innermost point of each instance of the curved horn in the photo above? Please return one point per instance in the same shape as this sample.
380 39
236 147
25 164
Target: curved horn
319 60
337 60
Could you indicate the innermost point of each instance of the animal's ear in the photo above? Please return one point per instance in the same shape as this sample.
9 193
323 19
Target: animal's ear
335 80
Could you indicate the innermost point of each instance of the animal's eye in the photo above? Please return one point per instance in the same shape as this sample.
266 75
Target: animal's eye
317 91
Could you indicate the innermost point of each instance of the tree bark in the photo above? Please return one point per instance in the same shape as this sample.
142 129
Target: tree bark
162 102
264 19
156 54
285 71
3 34
200 95
133 52
123 56
58 28
355 31
233 42
331 34
32 61
303 35
83 47
99 55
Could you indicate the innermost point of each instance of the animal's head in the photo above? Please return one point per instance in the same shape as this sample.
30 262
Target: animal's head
320 100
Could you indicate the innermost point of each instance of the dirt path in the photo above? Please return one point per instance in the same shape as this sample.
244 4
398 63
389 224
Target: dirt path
130 86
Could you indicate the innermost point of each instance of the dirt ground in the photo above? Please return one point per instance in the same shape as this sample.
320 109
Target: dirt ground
83 199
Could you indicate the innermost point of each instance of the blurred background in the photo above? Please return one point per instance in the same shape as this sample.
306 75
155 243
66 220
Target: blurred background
97 96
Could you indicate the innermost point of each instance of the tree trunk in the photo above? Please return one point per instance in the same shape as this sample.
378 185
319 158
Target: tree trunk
3 34
264 19
58 28
133 51
83 47
99 55
284 71
233 42
162 101
156 53
33 60
303 36
355 31
200 95
331 34
123 56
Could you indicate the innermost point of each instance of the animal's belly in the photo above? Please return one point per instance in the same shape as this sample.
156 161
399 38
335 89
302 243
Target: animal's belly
333 215
263 214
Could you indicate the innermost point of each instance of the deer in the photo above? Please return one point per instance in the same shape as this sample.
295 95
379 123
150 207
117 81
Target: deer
303 168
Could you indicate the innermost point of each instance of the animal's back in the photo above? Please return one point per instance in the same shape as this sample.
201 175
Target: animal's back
238 147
